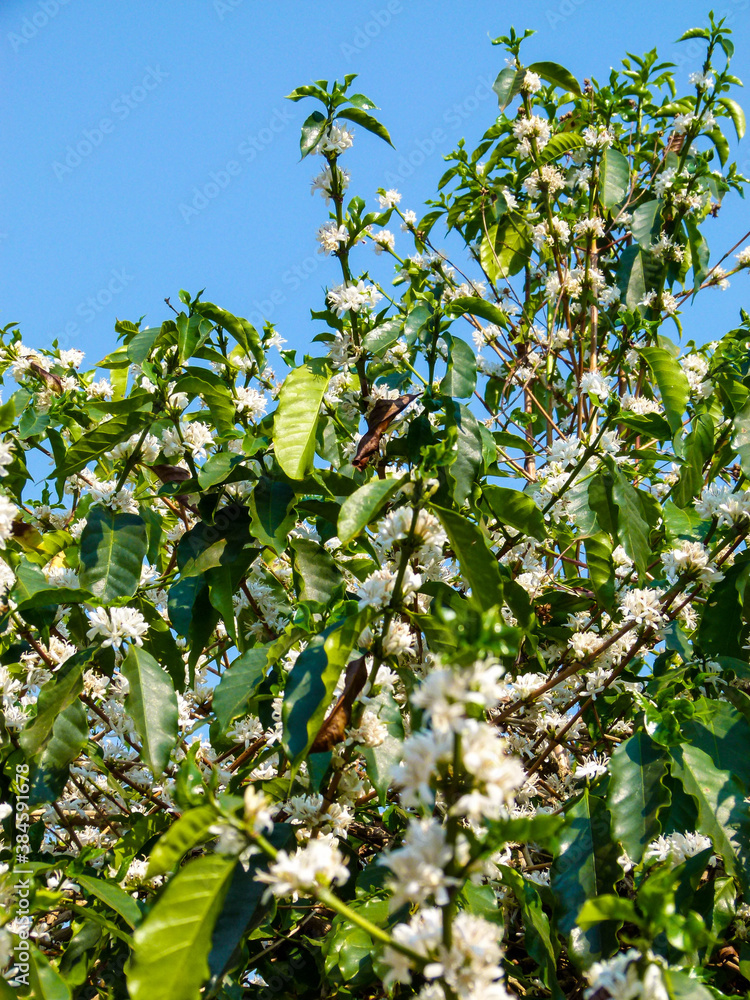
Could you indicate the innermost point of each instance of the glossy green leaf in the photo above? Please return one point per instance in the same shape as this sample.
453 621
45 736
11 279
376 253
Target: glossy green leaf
239 684
54 697
296 420
311 683
585 866
361 506
170 958
50 770
475 306
152 704
113 547
507 247
312 132
722 810
557 75
102 438
315 574
477 562
508 85
272 514
189 830
672 382
699 252
461 377
646 223
615 177
735 112
601 568
637 793
631 276
516 509
360 117
632 528
112 896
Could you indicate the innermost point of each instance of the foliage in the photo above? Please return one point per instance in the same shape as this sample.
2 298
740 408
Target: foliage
423 668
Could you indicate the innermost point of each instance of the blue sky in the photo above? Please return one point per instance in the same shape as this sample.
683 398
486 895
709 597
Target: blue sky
162 97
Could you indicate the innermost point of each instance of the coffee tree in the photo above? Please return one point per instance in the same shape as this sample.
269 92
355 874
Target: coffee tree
420 669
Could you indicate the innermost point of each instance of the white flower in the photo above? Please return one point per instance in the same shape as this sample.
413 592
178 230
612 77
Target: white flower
531 82
676 847
257 812
743 257
197 437
384 240
643 607
345 298
692 558
251 401
330 236
318 863
117 625
390 199
324 182
589 227
8 512
6 457
336 139
703 81
597 136
418 865
101 389
370 732
595 384
410 220
592 767
723 503
71 358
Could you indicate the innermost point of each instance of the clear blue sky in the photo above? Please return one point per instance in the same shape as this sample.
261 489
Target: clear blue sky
186 86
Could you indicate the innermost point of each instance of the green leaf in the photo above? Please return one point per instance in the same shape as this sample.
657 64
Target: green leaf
538 939
312 680
506 248
632 528
672 382
475 306
54 697
516 509
585 867
461 377
631 276
140 344
557 75
718 728
722 622
469 456
508 85
559 145
615 177
243 907
112 896
192 333
361 507
601 568
312 131
699 253
478 564
646 222
360 117
736 113
315 573
46 982
103 438
694 33
722 811
243 331
239 684
113 547
272 514
191 829
171 947
152 703
741 440
296 420
50 770
637 793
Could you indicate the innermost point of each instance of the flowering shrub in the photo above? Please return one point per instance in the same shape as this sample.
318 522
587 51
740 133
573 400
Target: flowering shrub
421 669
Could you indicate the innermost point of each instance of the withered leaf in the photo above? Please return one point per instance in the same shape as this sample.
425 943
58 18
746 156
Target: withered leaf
54 382
170 473
382 415
334 728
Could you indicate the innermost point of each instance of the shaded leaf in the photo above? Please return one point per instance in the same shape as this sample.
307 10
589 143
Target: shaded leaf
152 703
